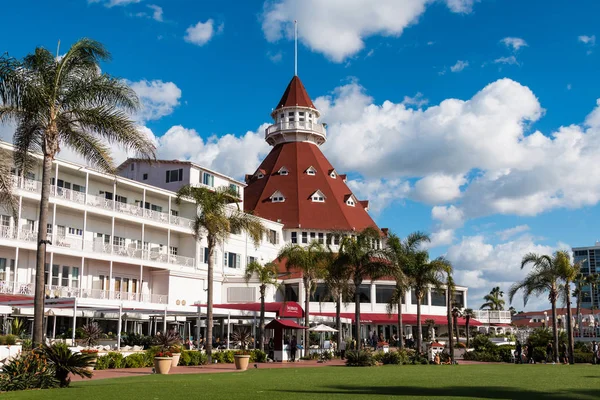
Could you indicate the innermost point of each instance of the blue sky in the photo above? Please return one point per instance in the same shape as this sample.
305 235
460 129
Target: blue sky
433 106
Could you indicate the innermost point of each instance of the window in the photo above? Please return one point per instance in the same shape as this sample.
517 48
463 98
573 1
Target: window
134 286
311 171
304 237
120 199
145 177
235 188
205 255
291 292
321 294
350 201
283 171
30 224
364 292
332 174
75 231
132 166
174 213
5 220
318 197
273 237
413 298
154 207
175 175
294 237
75 277
384 293
49 229
55 269
4 272
251 259
277 197
336 240
321 238
301 116
281 117
208 179
232 260
291 117
119 241
438 298
173 250
106 195
61 231
313 236
459 299
65 276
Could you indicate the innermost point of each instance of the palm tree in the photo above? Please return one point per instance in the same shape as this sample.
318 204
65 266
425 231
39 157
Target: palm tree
309 261
468 313
402 252
450 286
65 102
216 219
512 310
493 300
543 278
424 274
363 261
267 276
568 273
456 312
7 197
338 285
579 282
593 280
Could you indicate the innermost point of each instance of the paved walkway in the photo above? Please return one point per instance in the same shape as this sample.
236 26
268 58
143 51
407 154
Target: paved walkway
204 369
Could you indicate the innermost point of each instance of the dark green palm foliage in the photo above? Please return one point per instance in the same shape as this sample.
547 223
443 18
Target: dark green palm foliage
66 362
544 278
468 314
580 281
266 276
402 253
493 300
216 218
362 261
66 102
568 273
593 280
424 274
310 261
8 201
338 286
456 313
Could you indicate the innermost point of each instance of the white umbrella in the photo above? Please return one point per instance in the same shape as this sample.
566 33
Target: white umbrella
322 328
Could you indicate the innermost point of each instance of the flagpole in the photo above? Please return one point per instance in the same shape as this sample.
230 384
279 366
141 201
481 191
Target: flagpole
295 48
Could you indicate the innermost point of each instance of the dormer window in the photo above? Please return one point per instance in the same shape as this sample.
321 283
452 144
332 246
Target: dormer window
283 171
291 117
277 197
260 174
351 200
301 116
332 174
318 197
311 171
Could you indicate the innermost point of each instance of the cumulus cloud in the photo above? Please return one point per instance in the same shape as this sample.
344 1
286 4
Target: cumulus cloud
459 66
380 193
508 233
349 22
438 188
157 12
418 100
202 32
589 40
514 43
158 98
449 217
510 60
113 3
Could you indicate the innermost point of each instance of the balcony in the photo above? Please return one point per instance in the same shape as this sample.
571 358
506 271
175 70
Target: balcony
72 196
493 317
296 126
53 291
26 235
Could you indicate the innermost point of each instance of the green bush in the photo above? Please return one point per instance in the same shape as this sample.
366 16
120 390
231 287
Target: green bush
257 355
486 356
539 354
217 356
8 340
27 345
137 360
580 357
30 370
483 343
66 363
111 360
582 347
377 356
506 353
360 358
228 356
185 358
394 358
196 357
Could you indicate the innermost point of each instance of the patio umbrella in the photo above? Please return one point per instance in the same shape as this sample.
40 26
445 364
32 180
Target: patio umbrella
322 328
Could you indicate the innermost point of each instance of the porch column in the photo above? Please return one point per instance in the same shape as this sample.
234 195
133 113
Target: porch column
54 328
119 326
198 326
74 319
228 328
165 322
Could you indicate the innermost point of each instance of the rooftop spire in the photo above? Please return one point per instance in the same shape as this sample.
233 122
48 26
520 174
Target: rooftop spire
295 48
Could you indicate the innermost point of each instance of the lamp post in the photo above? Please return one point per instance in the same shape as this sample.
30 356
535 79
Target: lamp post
44 320
545 319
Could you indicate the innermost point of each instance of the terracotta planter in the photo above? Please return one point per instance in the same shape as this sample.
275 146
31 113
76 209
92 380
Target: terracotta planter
241 361
93 366
175 361
162 365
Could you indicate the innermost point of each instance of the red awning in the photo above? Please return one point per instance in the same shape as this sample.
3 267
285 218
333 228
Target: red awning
283 323
409 319
289 309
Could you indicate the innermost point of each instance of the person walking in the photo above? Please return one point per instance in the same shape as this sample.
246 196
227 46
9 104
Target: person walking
343 349
549 353
595 353
293 348
519 352
530 359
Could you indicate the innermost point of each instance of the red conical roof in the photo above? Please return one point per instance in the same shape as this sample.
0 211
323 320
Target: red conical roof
295 95
297 187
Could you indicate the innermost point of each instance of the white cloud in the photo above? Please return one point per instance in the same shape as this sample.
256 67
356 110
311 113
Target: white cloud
459 66
514 43
158 98
510 60
442 237
157 12
380 193
449 217
202 32
275 57
438 188
508 233
418 100
481 266
113 3
339 28
589 40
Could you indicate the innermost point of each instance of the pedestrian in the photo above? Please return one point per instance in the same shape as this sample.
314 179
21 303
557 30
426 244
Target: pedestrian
549 353
595 353
530 359
518 353
343 349
293 348
564 354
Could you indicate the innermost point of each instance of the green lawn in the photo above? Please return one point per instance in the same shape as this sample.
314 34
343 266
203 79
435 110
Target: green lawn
500 381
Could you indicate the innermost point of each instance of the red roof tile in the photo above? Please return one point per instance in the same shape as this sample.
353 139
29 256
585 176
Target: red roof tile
298 210
295 95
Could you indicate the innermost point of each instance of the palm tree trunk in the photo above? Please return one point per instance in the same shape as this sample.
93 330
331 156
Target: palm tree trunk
38 301
450 330
419 326
400 324
569 317
467 320
209 294
261 326
305 335
338 321
357 315
456 329
554 326
579 313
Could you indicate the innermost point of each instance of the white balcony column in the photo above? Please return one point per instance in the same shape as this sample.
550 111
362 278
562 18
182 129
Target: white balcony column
15 279
84 228
429 300
87 185
114 194
16 223
165 321
112 234
82 273
169 211
139 288
110 274
169 246
56 178
373 294
144 203
53 238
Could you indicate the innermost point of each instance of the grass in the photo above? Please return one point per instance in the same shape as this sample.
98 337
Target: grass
488 381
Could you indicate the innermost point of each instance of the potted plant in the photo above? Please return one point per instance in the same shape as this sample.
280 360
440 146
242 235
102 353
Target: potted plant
162 362
91 334
93 360
243 337
176 351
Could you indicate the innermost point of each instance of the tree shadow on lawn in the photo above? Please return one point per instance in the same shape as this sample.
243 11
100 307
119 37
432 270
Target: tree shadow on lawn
487 392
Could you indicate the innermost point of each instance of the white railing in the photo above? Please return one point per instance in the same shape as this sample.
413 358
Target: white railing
54 291
68 194
296 125
25 289
75 243
181 260
7 287
100 202
489 316
28 185
27 235
6 232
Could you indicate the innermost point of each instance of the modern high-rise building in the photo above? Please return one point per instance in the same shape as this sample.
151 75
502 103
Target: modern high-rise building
589 257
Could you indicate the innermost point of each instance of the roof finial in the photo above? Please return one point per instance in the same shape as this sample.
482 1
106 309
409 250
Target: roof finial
295 48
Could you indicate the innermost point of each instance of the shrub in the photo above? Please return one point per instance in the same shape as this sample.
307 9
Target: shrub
394 357
377 356
257 355
111 360
228 356
486 356
218 357
67 363
360 358
580 357
539 354
194 357
30 370
185 358
27 345
582 347
483 343
506 353
137 360
91 334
